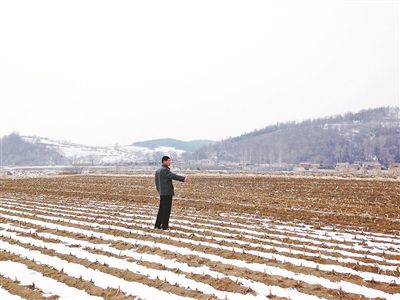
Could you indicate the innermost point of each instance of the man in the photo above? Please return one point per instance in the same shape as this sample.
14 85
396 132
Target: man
165 188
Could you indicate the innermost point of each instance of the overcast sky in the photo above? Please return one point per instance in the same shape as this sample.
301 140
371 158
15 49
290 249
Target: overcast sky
105 72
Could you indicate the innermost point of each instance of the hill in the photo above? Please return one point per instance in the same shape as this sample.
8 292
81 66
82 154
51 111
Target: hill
15 151
368 135
39 151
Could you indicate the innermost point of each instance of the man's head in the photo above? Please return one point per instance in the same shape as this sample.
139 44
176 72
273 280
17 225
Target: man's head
166 161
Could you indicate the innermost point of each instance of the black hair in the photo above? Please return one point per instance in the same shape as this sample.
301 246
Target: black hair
165 158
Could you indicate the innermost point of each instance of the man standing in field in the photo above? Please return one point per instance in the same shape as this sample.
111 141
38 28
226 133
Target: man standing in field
165 188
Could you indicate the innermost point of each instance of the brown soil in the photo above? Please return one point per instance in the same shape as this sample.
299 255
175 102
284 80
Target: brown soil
346 204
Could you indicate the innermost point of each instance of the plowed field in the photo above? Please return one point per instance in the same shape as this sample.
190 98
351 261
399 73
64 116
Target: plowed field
231 237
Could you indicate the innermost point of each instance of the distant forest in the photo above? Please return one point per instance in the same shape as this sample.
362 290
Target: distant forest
369 135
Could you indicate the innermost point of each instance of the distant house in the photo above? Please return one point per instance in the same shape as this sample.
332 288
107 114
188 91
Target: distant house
354 167
315 167
394 169
326 166
342 167
347 167
306 165
372 165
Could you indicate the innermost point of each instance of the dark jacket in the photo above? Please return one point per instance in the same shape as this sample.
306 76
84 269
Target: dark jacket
163 180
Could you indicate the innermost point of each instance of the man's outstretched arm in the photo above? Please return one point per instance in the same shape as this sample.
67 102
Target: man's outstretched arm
176 176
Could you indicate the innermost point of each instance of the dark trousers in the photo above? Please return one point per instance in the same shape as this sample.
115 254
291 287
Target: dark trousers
164 212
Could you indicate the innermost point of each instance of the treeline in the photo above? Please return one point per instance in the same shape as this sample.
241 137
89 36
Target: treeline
369 135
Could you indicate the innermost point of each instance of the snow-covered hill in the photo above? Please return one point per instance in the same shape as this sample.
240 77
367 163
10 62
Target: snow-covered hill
99 155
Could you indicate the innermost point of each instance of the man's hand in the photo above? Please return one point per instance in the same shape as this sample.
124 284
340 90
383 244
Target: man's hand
187 180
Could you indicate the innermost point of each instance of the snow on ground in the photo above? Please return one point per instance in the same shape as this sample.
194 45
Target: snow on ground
282 246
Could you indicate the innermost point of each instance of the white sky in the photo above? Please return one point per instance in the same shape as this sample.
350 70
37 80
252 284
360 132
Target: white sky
105 72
